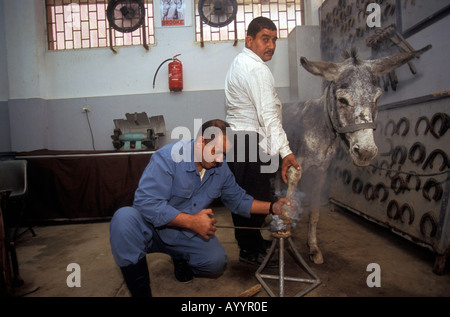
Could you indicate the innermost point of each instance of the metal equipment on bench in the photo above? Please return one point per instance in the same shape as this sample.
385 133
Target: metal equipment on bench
138 131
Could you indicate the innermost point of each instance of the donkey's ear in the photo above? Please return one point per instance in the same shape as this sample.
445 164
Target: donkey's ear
327 70
387 64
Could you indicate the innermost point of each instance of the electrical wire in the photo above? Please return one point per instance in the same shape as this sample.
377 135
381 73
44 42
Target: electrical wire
90 129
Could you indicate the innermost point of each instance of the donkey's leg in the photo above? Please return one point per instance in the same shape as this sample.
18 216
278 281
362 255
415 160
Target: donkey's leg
293 177
314 252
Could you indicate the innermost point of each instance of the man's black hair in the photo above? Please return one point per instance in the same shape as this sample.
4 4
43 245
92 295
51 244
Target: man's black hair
259 23
215 123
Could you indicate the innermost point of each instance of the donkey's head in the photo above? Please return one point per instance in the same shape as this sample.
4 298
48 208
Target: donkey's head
352 95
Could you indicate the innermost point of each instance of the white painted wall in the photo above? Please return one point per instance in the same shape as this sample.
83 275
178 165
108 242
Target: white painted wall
99 72
36 72
4 84
312 11
43 91
5 143
24 48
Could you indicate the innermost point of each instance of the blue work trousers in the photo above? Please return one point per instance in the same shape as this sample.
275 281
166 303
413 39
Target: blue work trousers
132 237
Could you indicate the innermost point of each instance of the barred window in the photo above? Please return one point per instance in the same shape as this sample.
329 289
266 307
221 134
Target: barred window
286 14
75 24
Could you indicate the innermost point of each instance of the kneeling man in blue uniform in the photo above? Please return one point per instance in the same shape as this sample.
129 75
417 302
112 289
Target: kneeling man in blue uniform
170 212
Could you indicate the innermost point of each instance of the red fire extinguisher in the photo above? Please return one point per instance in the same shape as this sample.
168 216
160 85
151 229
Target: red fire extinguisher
175 73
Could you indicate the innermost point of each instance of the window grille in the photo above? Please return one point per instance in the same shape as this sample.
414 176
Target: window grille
75 24
286 14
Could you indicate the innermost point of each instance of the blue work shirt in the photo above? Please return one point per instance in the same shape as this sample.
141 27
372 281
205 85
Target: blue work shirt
171 184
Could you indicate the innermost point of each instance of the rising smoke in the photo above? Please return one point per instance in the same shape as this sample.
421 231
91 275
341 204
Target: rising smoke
295 211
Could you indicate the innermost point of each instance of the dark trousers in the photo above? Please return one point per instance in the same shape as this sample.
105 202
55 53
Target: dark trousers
248 175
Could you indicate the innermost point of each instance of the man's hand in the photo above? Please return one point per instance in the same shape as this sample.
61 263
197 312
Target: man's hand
203 223
279 204
288 160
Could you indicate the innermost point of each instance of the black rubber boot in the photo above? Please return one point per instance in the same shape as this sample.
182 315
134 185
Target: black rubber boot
183 273
137 278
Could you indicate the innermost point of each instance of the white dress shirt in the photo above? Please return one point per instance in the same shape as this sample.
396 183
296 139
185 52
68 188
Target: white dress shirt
252 102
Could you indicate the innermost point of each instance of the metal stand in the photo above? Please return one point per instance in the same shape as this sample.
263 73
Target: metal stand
279 239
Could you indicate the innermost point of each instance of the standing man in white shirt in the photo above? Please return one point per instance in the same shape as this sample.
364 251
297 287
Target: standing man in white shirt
254 114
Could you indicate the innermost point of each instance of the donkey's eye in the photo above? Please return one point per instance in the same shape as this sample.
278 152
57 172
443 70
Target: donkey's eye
343 101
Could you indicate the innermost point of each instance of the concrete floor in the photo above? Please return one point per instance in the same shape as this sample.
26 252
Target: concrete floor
348 242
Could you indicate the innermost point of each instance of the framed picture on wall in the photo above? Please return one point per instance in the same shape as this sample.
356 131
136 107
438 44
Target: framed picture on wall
172 13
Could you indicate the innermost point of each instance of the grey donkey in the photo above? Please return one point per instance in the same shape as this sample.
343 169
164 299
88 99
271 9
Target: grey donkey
346 111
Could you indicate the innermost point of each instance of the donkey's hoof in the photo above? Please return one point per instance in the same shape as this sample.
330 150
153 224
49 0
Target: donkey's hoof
316 257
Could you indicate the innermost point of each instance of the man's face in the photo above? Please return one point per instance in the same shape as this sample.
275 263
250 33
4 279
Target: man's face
263 44
214 151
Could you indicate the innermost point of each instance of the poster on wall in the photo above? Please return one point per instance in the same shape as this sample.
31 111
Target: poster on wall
172 12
